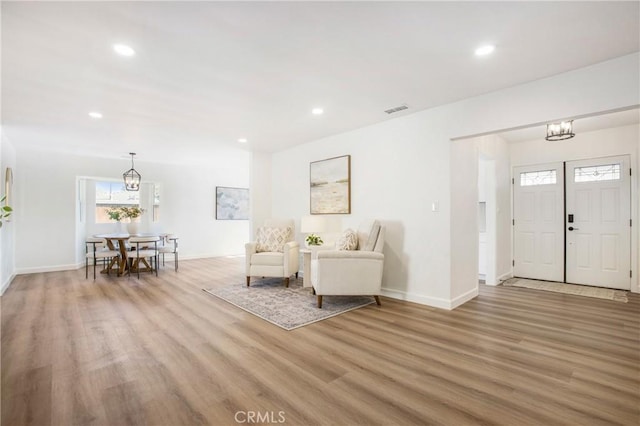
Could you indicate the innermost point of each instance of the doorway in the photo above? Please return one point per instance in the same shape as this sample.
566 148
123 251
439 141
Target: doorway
572 222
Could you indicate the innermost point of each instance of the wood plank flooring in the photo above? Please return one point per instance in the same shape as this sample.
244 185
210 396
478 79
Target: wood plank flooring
160 351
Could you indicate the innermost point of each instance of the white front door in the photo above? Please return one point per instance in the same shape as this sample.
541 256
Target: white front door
538 204
599 222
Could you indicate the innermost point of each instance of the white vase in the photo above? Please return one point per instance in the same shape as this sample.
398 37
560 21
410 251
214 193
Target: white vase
119 228
132 228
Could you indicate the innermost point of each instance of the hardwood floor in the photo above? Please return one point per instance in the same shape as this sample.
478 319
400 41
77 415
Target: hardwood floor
160 351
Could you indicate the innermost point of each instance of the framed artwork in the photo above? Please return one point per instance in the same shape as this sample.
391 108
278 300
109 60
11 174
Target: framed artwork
330 182
232 203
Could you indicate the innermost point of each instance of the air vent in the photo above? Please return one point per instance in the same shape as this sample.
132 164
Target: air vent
397 109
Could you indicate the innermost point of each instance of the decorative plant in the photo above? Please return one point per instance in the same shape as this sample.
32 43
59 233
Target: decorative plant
131 212
314 240
115 213
5 211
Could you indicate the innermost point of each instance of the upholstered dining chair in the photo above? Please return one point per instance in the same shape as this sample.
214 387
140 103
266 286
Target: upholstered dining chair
143 248
354 268
274 253
169 245
96 248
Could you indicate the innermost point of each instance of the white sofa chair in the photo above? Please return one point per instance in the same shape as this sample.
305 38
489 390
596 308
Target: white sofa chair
262 263
351 272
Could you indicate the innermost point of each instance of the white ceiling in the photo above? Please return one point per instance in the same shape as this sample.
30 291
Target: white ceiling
208 73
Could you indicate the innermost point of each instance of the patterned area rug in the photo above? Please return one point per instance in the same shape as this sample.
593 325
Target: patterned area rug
578 290
288 308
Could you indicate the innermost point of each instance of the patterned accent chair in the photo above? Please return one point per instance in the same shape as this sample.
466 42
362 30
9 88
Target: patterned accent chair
274 253
356 272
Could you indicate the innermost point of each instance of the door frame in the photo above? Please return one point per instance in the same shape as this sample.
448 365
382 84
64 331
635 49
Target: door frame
635 205
540 270
625 163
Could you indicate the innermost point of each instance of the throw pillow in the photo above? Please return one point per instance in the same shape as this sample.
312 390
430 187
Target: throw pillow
272 239
370 244
348 240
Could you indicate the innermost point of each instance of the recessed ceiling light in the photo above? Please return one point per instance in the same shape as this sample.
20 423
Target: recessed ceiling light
95 114
317 111
124 50
242 140
485 50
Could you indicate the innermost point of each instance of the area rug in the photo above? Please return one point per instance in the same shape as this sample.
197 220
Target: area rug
288 308
578 290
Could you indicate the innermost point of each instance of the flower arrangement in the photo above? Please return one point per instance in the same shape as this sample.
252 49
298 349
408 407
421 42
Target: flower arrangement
119 213
115 213
132 212
5 211
314 240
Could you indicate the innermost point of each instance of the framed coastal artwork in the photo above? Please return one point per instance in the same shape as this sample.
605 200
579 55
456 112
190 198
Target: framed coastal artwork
330 182
232 203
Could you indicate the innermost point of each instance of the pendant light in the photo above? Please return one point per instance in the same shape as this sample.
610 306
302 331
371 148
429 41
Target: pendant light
132 177
560 131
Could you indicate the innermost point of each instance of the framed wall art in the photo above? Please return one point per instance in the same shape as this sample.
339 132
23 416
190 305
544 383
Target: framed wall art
330 182
232 203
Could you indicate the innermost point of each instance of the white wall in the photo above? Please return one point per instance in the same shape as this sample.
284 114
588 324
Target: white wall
495 149
260 192
485 166
601 143
7 232
464 229
392 165
401 166
47 204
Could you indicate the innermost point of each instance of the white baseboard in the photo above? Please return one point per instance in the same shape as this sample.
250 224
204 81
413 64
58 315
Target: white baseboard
57 268
70 267
464 298
6 284
435 302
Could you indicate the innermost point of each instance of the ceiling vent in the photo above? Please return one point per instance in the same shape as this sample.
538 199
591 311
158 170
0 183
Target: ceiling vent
397 109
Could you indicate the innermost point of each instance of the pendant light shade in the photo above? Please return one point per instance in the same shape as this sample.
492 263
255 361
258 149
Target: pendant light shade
132 177
560 131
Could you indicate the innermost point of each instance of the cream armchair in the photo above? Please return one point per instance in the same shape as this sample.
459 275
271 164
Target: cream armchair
351 272
275 253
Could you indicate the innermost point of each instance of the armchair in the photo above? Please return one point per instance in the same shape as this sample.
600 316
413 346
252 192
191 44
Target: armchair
351 272
274 253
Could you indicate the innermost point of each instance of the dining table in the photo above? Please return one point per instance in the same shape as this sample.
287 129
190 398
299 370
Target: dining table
118 241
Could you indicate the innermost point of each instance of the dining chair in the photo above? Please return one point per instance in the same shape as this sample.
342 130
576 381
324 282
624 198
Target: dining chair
143 248
169 245
96 248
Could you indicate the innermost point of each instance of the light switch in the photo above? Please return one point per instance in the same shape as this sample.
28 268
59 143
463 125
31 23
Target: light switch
434 206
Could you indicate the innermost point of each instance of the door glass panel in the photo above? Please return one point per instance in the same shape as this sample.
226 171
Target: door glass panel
540 177
597 173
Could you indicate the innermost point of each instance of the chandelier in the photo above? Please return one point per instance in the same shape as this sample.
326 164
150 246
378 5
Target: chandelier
560 131
131 177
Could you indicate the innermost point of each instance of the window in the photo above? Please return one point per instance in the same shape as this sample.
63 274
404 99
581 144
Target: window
113 194
540 177
597 173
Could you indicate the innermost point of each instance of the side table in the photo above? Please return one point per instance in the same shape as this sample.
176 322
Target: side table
307 254
306 267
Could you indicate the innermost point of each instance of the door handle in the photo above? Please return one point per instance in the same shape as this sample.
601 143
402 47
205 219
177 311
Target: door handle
571 228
